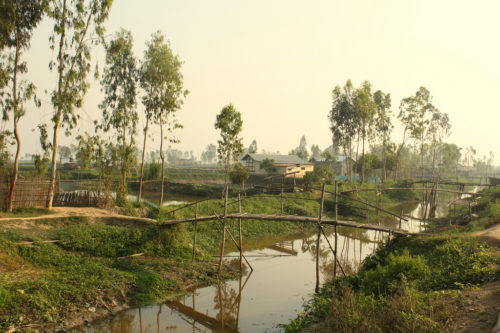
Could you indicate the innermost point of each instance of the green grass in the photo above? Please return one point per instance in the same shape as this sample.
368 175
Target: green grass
26 212
400 287
42 282
412 284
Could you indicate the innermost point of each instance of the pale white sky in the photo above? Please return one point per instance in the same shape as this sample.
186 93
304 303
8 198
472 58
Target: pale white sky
278 61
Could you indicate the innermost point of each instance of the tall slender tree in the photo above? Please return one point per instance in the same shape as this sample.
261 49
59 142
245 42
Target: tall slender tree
383 124
24 16
415 113
78 24
343 120
168 96
162 83
229 148
119 85
365 109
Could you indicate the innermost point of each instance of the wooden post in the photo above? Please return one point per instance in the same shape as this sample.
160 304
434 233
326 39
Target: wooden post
241 237
470 210
282 190
319 236
223 243
195 230
400 218
336 236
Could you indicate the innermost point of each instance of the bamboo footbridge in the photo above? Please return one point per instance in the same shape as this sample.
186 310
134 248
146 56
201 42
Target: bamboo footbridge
319 221
429 198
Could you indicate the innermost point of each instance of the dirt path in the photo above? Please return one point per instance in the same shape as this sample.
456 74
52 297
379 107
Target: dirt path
90 212
490 235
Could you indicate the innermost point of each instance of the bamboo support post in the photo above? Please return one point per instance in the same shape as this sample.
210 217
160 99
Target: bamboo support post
336 236
223 243
235 243
470 210
282 190
319 236
333 251
195 230
240 235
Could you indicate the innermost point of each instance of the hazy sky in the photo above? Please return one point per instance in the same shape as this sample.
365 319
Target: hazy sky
278 61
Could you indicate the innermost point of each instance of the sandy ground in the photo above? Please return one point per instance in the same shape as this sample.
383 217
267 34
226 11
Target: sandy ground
490 236
91 212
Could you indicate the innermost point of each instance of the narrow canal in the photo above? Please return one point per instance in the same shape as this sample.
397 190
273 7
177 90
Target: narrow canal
283 277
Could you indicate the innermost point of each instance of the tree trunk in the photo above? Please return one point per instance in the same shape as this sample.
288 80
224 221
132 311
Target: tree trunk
363 157
123 181
50 195
16 133
398 156
384 159
142 163
422 154
162 156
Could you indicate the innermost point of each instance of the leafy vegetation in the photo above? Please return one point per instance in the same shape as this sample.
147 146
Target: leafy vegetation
402 287
411 284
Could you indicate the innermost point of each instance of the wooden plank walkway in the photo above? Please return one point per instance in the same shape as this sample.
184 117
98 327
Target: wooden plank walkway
294 218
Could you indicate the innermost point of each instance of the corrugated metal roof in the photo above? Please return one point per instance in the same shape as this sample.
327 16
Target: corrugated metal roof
339 158
278 159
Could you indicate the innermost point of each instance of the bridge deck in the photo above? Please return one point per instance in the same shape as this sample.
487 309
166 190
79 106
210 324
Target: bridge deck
294 218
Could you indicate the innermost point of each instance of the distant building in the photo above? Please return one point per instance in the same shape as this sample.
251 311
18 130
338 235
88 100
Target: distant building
283 164
340 166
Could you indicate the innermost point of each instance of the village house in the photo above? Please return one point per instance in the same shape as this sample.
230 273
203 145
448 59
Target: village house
340 166
292 165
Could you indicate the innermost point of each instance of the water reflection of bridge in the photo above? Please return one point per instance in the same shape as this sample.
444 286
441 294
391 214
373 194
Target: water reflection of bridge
227 302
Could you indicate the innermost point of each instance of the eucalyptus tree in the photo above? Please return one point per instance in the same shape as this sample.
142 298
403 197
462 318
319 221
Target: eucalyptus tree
343 120
151 77
209 154
119 83
439 128
23 16
450 157
239 175
383 125
315 151
153 74
365 109
470 156
78 24
229 148
167 92
252 149
415 112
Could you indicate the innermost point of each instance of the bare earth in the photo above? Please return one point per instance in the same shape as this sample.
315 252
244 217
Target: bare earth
91 213
490 236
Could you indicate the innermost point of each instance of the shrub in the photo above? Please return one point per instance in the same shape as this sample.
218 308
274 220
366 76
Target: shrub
396 269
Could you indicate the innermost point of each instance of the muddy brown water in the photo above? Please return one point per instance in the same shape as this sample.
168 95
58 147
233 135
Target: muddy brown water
283 278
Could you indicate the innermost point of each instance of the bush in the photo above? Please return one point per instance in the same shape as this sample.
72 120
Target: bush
113 241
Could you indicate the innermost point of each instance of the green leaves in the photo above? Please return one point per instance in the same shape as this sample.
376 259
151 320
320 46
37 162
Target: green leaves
229 122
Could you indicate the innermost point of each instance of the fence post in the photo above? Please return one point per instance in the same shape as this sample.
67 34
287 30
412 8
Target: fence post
319 236
282 189
195 230
336 237
223 243
241 237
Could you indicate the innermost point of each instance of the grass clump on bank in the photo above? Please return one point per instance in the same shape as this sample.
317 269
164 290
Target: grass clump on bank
403 287
50 282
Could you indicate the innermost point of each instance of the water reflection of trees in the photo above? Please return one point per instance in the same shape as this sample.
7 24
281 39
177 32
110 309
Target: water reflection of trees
226 301
353 246
123 322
